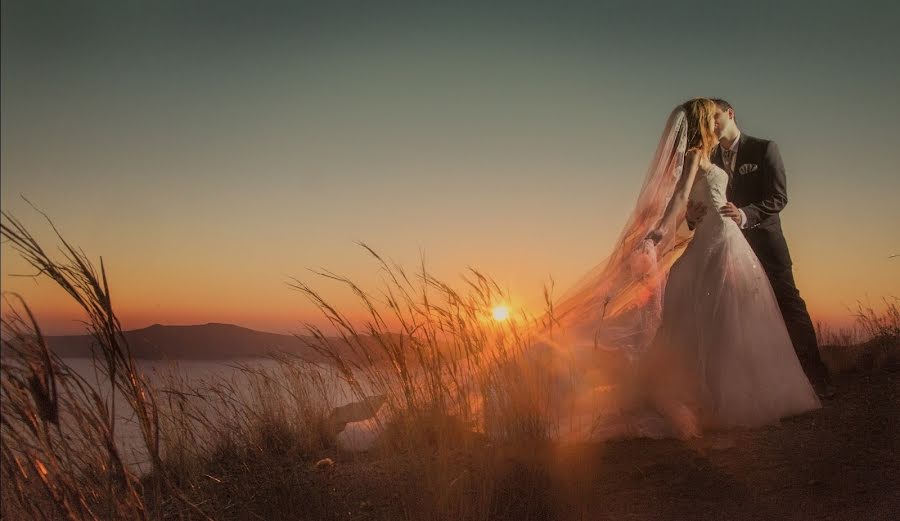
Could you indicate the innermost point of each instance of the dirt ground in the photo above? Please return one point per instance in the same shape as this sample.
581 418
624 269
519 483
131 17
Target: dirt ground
839 463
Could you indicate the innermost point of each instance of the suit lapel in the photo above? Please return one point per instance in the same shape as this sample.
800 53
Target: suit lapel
738 161
741 153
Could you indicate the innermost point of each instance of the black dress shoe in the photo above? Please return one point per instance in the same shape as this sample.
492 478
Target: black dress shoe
825 391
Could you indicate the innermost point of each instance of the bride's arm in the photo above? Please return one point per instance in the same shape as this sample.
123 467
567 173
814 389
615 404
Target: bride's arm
682 191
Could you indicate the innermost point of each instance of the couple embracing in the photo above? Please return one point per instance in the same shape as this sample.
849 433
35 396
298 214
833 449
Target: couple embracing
699 295
721 335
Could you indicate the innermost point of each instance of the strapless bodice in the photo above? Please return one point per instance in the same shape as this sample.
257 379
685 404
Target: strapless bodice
709 187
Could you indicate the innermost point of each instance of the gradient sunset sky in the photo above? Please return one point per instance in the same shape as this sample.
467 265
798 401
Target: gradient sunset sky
211 150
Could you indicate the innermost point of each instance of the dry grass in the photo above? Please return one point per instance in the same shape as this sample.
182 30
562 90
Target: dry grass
59 452
873 343
464 410
225 449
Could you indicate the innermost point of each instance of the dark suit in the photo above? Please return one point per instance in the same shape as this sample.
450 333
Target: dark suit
761 192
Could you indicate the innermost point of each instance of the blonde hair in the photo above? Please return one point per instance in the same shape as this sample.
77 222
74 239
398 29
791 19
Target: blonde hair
701 125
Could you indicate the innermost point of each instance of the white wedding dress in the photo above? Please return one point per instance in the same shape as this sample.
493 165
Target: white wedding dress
722 356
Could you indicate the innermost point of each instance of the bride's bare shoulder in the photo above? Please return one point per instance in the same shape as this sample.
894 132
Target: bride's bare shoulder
692 156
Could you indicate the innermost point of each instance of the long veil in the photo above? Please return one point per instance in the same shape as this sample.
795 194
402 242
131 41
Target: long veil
617 304
615 307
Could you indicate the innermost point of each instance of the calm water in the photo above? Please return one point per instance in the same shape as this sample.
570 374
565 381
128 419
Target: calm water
159 374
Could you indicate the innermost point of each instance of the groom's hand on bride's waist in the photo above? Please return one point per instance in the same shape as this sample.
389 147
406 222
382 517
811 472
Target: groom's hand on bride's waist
734 213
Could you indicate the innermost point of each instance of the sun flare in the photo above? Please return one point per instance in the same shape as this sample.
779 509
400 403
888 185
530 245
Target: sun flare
501 313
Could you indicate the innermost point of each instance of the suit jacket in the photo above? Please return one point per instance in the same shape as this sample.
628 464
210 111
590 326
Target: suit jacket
758 187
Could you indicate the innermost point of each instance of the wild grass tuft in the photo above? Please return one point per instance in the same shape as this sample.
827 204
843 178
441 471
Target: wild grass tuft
872 343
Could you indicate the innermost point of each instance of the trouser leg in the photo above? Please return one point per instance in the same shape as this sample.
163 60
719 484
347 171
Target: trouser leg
799 325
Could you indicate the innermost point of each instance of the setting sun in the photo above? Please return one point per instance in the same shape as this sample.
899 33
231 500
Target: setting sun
501 313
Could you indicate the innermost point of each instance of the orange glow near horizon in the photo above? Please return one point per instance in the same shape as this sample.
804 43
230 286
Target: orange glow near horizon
282 310
143 295
67 319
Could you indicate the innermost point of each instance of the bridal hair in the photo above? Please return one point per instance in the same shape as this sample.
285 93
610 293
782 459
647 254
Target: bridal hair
701 128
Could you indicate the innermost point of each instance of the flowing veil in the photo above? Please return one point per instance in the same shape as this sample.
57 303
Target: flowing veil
584 361
617 304
614 309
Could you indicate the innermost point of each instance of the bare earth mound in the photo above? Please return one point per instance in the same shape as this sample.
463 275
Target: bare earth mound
841 462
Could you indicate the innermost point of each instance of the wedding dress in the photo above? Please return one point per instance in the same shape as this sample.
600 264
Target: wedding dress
722 355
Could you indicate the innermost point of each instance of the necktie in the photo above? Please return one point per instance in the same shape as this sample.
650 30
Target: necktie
727 160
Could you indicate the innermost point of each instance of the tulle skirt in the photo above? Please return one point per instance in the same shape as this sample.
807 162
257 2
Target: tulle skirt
722 356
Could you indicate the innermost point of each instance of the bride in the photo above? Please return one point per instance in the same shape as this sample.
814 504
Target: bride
696 314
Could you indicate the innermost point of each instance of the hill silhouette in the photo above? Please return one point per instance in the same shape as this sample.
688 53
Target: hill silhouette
195 342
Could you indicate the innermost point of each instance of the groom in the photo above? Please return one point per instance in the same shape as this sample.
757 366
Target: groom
757 193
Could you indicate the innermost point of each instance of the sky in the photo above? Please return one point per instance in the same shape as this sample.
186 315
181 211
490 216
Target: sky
210 151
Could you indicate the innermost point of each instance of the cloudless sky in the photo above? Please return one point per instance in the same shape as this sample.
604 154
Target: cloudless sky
211 150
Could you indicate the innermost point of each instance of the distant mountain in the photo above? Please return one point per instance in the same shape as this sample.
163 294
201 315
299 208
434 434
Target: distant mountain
200 342
228 341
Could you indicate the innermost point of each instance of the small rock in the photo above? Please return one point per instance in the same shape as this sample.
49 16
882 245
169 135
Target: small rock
324 463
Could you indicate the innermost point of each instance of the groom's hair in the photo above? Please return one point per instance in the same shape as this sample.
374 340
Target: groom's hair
724 105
